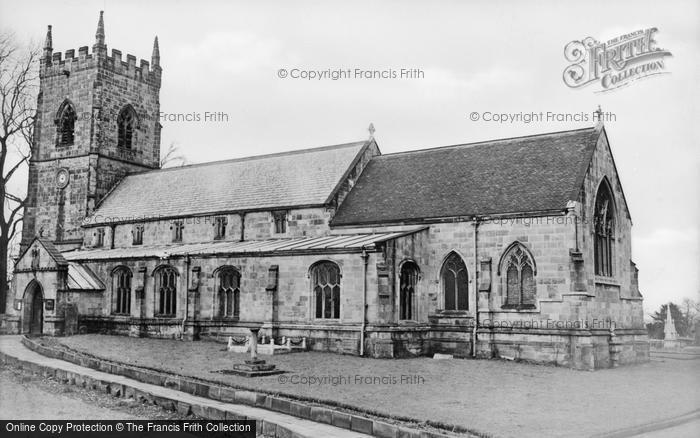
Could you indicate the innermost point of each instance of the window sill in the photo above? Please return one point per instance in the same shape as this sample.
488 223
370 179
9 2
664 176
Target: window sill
173 316
453 313
519 307
611 281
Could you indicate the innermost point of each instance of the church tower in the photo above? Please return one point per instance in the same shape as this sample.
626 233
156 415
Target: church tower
97 120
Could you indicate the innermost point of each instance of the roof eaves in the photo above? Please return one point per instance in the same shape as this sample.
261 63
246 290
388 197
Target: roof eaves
342 179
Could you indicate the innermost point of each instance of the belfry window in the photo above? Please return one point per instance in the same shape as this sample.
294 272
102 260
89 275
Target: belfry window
604 223
229 293
66 125
521 292
455 283
325 280
166 291
126 124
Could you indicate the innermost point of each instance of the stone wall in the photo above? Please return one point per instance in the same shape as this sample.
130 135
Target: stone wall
301 222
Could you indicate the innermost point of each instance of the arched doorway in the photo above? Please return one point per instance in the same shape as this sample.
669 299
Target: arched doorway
33 317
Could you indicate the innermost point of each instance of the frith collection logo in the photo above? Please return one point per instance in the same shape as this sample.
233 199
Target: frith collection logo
614 63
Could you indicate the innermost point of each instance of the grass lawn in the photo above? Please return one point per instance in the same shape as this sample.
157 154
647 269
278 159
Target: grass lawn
496 397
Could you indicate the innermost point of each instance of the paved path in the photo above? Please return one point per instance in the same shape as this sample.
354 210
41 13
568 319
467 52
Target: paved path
12 346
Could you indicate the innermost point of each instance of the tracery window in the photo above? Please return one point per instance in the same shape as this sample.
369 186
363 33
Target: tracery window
521 292
455 283
229 293
325 280
166 291
407 290
121 284
604 223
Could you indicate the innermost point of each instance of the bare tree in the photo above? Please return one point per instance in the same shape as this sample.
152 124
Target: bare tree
172 157
18 86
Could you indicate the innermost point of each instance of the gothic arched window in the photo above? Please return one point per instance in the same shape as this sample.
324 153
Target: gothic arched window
166 291
521 292
66 125
455 283
407 290
229 292
126 124
325 280
121 290
604 230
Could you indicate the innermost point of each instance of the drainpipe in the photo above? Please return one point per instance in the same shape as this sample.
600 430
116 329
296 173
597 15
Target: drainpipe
476 284
113 230
187 294
365 259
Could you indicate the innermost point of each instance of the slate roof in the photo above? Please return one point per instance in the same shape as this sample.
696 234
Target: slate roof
518 175
297 178
82 278
339 242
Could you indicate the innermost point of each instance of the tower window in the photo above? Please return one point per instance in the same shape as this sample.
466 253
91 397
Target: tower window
138 234
126 123
66 125
280 220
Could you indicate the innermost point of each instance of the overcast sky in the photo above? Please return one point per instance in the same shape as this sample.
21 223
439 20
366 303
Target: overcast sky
495 56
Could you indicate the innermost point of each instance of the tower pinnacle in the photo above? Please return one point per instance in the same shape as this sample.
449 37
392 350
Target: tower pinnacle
155 57
48 44
100 34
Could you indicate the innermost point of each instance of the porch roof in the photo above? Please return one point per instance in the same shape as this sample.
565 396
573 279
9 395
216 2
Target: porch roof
332 243
82 278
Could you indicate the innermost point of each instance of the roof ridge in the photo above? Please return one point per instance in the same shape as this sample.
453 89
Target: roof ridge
255 157
483 142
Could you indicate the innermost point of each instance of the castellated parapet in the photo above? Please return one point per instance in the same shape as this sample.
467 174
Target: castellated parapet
68 63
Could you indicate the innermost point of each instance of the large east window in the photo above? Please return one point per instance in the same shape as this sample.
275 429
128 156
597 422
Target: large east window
604 223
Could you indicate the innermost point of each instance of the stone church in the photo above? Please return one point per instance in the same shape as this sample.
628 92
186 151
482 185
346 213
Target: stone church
516 248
